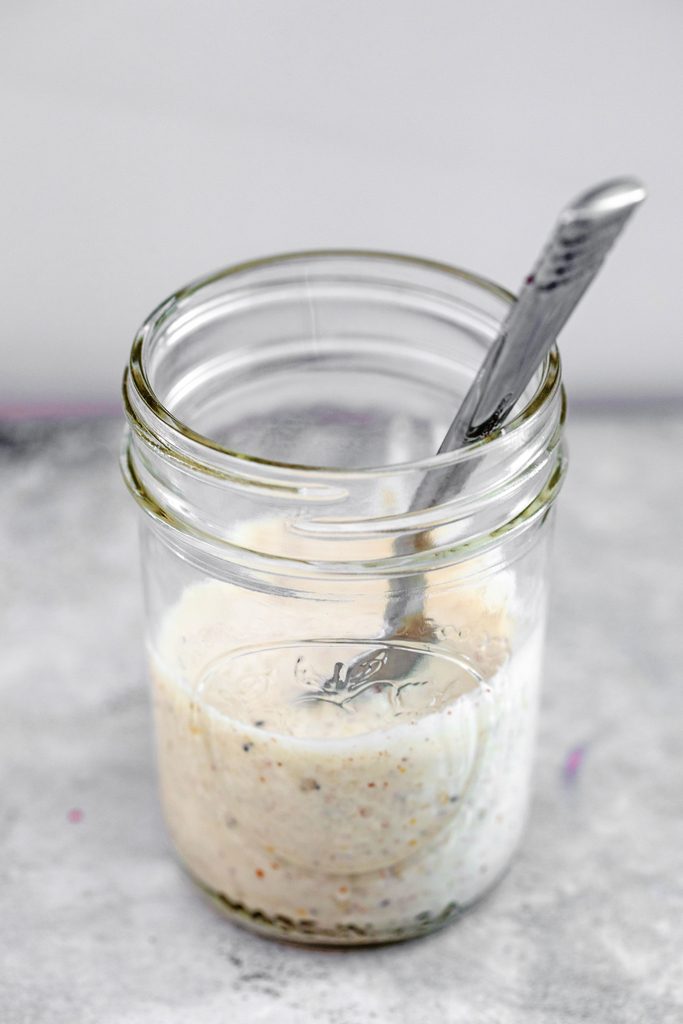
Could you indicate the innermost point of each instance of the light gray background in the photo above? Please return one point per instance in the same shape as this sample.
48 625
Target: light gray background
149 141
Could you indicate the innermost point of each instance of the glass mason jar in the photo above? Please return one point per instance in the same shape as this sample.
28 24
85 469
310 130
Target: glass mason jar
345 677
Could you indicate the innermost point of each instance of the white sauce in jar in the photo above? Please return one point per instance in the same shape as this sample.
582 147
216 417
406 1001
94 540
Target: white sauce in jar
368 821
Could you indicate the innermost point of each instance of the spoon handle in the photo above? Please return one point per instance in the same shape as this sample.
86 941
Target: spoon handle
572 257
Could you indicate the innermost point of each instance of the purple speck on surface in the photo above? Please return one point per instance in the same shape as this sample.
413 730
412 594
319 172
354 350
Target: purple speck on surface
573 762
74 815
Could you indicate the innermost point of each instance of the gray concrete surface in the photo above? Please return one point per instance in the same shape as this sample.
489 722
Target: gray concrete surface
99 926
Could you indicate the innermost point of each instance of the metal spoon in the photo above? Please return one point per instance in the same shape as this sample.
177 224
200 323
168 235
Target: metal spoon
572 257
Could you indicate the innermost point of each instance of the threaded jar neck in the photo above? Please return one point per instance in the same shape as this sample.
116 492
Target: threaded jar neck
306 393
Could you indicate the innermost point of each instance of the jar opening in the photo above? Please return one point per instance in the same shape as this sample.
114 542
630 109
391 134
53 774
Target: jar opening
328 364
312 390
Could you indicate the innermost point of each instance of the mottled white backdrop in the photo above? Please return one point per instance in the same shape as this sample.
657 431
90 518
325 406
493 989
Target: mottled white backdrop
148 141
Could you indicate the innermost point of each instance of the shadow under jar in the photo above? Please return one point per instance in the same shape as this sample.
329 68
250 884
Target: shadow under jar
281 416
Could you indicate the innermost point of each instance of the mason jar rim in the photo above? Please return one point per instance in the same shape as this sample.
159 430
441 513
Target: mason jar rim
164 426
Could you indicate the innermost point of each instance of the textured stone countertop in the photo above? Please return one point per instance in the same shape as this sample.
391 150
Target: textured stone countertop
98 924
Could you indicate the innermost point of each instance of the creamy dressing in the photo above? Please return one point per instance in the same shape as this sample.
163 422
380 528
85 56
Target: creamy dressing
370 820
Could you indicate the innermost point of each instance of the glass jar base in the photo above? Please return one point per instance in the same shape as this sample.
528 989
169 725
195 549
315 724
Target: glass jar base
307 932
